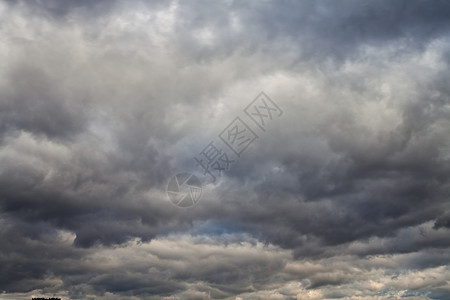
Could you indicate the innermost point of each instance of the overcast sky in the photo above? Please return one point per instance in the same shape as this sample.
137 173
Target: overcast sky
343 193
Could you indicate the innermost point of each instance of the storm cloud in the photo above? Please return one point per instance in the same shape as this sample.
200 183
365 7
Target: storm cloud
344 195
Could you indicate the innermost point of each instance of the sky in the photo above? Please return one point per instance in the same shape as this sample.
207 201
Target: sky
311 137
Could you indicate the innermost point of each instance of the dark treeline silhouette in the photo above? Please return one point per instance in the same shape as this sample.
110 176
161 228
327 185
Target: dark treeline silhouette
45 298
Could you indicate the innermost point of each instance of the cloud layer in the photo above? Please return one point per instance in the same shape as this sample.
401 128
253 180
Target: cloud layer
343 196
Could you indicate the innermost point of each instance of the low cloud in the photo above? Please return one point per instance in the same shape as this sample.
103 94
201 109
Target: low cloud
343 196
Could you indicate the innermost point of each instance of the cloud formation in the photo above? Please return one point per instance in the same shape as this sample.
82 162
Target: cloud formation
344 196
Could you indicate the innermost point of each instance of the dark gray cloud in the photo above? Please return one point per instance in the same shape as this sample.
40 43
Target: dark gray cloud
337 31
54 8
346 194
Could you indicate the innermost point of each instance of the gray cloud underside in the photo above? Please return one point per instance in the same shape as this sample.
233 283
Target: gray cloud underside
344 196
